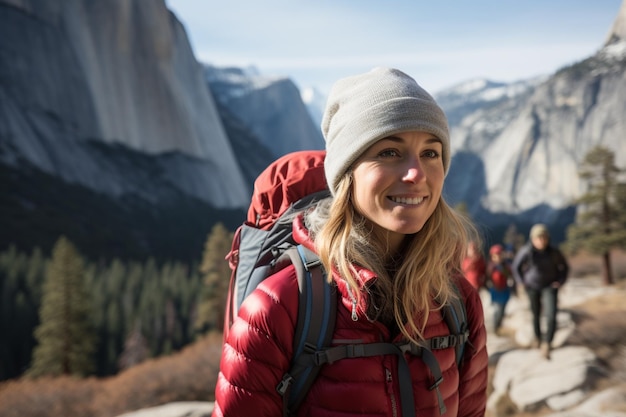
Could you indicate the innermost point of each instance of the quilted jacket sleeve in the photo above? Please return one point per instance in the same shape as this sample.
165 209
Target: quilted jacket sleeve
474 370
258 350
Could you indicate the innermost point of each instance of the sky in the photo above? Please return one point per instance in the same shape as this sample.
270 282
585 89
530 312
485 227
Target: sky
439 43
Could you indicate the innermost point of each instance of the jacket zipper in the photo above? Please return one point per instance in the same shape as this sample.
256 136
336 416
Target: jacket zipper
394 404
355 317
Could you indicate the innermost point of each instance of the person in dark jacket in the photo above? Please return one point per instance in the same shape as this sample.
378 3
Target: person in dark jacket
393 247
541 269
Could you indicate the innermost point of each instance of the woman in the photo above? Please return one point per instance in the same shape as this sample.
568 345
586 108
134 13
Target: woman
393 246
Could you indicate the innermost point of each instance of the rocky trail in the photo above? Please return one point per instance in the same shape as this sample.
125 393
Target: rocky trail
586 373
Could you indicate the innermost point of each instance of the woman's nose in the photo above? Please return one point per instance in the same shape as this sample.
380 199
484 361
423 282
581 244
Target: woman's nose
413 171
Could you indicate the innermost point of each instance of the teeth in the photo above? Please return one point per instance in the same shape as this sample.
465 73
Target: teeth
402 200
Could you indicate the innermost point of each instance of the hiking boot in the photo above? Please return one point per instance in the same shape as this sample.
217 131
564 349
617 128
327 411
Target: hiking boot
545 350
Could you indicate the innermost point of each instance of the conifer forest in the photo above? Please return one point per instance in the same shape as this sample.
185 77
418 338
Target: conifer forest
61 314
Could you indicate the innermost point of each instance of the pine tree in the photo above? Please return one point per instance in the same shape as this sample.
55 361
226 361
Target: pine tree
135 349
216 276
21 280
65 335
600 224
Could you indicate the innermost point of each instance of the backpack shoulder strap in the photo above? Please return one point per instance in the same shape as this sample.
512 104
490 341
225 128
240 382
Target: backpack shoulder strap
455 316
317 310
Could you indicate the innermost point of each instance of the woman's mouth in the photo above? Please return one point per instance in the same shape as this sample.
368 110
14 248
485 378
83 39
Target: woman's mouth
407 200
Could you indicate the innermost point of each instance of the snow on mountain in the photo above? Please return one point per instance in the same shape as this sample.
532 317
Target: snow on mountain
466 105
482 91
615 51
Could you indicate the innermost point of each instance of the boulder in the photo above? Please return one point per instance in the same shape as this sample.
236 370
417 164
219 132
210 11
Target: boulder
176 409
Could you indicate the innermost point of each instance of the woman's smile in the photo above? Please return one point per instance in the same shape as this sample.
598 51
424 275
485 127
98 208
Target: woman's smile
408 201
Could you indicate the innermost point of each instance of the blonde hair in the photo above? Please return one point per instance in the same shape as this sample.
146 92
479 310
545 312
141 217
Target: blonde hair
431 257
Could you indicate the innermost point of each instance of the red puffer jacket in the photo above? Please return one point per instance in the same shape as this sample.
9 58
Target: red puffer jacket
259 347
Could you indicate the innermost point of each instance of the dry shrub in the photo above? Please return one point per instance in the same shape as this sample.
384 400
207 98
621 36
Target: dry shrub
189 375
62 396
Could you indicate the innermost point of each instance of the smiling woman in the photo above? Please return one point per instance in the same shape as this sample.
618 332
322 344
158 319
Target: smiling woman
392 248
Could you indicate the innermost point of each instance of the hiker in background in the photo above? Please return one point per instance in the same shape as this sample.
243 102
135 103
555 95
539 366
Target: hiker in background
541 269
499 282
474 266
392 246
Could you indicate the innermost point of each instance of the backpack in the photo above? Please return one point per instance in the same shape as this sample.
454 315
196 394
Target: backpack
263 245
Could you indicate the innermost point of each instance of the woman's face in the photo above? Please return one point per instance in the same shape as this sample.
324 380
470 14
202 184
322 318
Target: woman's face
398 183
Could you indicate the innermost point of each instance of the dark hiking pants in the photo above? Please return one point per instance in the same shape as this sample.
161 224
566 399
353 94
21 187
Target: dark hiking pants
498 315
544 300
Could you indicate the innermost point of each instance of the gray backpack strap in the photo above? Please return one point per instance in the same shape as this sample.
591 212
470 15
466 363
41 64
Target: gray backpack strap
336 353
455 316
317 311
405 382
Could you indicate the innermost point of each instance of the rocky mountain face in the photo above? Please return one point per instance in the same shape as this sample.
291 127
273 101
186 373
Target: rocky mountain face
535 159
271 106
104 102
522 143
618 31
112 132
467 107
115 72
272 111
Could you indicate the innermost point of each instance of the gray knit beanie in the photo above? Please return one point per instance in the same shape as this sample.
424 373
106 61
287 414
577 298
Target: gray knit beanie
364 108
539 229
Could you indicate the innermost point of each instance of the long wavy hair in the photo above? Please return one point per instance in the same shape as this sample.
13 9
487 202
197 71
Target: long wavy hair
423 271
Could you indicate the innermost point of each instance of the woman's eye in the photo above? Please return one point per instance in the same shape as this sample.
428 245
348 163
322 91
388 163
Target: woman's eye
388 153
431 154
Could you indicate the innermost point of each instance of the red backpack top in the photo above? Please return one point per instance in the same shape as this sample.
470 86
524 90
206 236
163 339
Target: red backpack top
282 183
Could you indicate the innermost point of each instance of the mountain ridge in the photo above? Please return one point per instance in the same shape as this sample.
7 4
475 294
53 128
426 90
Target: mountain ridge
207 131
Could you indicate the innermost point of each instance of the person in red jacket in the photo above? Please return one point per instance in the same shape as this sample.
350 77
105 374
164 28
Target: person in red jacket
393 246
474 266
499 281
